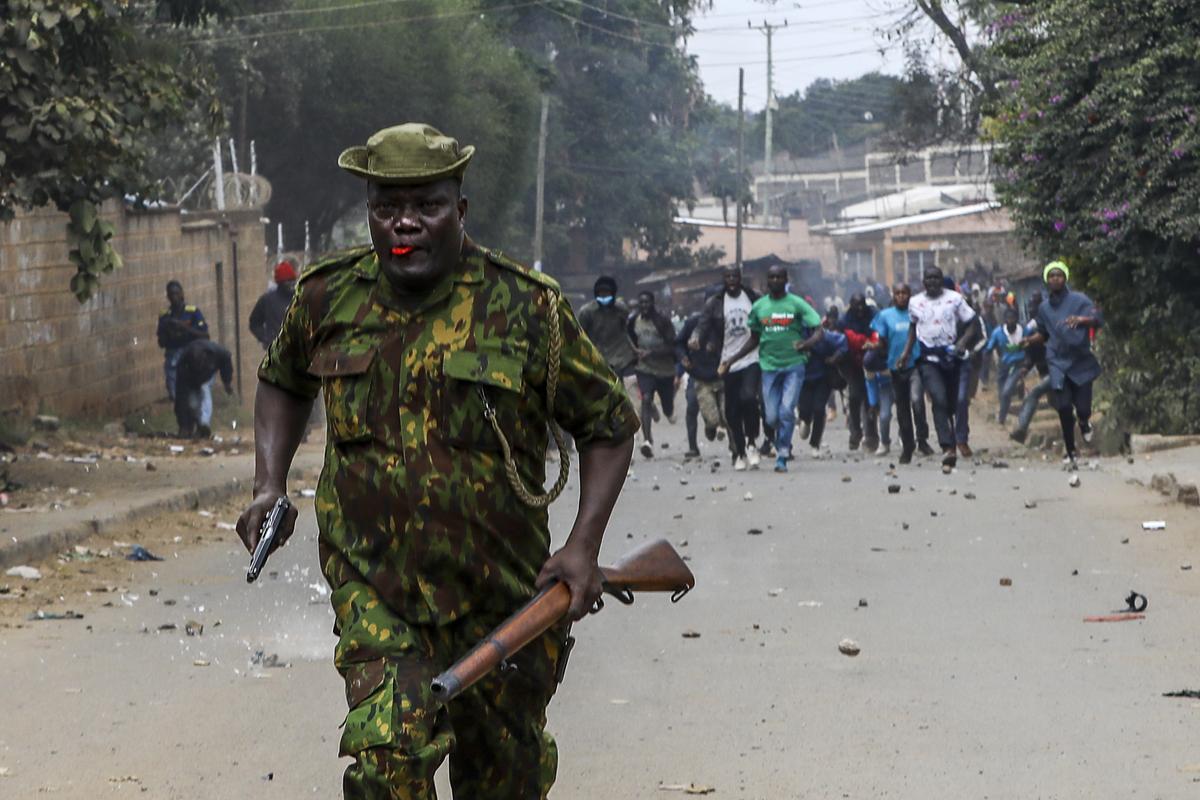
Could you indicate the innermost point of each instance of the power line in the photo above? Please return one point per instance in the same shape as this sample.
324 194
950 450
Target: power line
357 25
606 31
799 24
799 7
792 60
288 12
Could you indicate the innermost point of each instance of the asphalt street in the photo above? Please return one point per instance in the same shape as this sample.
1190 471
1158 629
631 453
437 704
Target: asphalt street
964 687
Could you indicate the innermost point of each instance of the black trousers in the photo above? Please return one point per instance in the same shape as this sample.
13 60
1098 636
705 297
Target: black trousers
811 407
188 397
650 385
863 420
742 391
941 382
1073 399
904 382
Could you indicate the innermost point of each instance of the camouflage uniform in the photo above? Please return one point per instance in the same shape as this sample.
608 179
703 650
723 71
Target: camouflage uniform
422 538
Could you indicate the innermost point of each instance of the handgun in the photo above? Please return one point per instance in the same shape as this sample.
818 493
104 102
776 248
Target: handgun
266 538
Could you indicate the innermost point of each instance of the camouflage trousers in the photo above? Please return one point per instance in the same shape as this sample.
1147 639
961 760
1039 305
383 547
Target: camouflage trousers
710 396
494 733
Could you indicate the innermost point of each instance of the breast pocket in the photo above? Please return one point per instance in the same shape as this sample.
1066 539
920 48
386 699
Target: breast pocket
346 378
472 377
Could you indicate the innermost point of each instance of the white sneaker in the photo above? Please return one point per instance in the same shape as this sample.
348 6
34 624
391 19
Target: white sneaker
752 457
805 429
816 452
739 464
1088 433
883 450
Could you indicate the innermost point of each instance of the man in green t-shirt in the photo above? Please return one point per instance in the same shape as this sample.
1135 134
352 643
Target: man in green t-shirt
779 325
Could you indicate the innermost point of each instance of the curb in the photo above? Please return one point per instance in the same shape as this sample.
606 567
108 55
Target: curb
37 548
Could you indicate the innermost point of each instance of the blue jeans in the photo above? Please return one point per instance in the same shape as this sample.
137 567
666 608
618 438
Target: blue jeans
962 414
206 402
781 390
1008 376
1029 407
170 364
881 396
941 381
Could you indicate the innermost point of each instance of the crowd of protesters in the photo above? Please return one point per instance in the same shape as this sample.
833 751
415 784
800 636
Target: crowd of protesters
758 369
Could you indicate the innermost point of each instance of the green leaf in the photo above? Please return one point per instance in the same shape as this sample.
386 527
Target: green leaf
83 214
83 286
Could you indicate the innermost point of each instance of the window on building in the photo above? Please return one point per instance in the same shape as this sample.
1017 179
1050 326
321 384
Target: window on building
915 262
859 264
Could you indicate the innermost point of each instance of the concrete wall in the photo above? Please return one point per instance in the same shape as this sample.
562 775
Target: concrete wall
101 358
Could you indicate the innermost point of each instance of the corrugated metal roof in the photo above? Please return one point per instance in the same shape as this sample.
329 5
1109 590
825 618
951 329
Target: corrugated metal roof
915 219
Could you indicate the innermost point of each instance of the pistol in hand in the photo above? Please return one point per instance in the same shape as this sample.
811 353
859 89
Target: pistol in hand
266 538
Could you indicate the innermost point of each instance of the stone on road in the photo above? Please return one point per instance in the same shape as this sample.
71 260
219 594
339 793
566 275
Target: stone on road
968 691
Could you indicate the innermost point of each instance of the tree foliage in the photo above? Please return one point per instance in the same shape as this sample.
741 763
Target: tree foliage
306 79
86 86
619 160
1100 163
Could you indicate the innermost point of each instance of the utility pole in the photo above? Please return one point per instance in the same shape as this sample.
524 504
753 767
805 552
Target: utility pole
541 185
741 167
769 30
218 175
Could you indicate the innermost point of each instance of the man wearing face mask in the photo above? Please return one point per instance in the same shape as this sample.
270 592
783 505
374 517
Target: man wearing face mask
442 365
603 320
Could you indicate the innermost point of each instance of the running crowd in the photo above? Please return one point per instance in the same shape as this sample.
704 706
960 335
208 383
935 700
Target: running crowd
756 367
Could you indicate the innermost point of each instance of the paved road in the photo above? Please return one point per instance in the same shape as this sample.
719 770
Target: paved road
964 688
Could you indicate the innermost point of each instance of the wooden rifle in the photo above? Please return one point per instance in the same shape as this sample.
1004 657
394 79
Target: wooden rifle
653 567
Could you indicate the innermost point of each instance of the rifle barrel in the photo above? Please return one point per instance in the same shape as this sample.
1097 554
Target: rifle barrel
532 620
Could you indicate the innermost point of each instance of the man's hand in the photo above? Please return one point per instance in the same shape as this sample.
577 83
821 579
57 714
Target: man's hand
1075 321
579 570
251 521
722 369
687 363
694 343
903 360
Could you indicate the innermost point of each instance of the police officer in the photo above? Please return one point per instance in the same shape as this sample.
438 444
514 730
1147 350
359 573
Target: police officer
432 352
178 326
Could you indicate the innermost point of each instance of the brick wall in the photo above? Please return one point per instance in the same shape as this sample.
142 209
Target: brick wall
101 358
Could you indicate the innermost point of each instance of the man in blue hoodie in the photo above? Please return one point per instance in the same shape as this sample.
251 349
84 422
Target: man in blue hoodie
1065 322
826 356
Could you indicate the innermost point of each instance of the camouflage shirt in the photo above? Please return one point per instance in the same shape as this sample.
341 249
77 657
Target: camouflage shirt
413 497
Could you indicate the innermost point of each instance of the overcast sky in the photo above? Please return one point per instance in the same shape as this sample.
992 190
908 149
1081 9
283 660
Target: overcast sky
823 39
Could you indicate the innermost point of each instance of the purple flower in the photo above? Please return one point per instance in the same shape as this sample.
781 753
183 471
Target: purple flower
1103 228
1177 153
1056 99
1059 225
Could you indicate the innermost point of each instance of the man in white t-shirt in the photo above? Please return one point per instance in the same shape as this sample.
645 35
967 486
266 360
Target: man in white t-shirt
724 319
937 315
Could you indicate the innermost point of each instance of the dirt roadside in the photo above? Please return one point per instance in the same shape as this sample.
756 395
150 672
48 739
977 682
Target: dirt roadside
84 499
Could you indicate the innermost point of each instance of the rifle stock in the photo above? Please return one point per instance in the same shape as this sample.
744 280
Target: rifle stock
653 567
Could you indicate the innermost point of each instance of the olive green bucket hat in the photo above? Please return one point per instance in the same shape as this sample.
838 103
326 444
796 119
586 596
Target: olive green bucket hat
407 154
